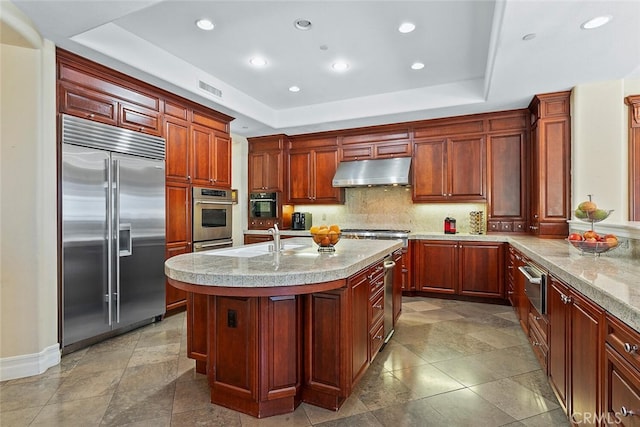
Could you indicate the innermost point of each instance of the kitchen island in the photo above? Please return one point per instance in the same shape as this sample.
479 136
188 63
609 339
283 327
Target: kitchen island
274 329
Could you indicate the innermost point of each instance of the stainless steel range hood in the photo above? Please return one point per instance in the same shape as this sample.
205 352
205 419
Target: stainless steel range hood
361 173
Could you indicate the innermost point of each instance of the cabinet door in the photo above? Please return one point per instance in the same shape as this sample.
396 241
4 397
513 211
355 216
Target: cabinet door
466 168
178 213
359 288
221 162
436 266
325 166
265 171
429 170
300 177
554 171
482 269
202 146
177 147
586 339
506 172
85 103
174 297
622 390
558 332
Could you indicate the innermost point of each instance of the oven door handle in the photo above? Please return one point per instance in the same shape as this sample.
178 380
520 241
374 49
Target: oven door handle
206 202
525 270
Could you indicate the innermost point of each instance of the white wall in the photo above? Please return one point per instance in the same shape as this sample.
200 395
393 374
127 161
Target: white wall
239 165
28 240
600 145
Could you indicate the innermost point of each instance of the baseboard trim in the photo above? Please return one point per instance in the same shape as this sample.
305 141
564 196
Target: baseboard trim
29 364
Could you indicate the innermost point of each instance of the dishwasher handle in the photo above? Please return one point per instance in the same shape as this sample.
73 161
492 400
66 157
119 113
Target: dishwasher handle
527 272
389 264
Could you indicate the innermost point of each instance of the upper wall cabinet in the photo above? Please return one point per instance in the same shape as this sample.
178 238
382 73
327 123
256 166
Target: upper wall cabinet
311 165
449 169
507 177
266 160
634 157
550 164
381 144
84 93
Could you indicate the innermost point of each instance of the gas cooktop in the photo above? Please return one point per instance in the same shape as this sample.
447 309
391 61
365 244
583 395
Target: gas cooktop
374 230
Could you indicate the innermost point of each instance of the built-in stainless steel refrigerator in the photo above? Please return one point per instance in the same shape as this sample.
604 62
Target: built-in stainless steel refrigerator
113 230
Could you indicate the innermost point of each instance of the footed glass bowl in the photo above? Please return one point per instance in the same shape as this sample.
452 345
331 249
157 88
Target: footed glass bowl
592 247
326 241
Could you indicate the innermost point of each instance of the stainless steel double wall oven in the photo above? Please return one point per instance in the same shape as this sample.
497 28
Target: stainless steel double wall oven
212 216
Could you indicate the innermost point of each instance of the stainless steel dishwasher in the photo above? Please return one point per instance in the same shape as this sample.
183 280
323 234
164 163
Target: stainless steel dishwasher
388 264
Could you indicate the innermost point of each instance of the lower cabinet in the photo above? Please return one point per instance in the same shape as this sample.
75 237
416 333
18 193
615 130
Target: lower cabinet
575 351
460 268
621 400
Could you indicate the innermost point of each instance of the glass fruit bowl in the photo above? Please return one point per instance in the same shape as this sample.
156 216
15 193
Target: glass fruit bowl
591 247
326 240
593 216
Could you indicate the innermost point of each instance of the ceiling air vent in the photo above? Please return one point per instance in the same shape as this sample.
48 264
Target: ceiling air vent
211 89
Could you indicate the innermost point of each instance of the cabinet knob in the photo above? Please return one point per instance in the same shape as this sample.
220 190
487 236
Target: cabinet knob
449 194
92 115
188 177
536 344
537 317
565 299
626 412
510 292
378 306
630 348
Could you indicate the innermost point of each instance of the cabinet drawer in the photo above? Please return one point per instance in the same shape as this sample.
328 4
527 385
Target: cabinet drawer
624 340
261 224
375 285
538 344
376 308
376 337
622 391
540 322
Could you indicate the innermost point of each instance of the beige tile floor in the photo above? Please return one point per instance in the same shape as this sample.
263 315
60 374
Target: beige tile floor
450 363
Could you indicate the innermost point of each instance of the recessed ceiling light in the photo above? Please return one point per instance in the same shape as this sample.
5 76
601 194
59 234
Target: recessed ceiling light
258 61
205 24
417 66
294 89
529 36
596 22
340 66
302 24
406 27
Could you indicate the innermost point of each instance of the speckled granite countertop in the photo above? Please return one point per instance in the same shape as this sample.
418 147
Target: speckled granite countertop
610 281
299 263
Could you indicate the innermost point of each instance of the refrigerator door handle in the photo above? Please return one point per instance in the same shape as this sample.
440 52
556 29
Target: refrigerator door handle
107 297
116 294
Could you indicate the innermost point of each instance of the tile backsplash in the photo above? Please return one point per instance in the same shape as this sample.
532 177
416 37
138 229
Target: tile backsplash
391 208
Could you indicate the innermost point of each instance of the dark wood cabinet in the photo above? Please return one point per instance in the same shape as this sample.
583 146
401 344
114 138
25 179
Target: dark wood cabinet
634 156
379 143
460 268
312 165
436 266
178 234
507 180
550 164
450 169
481 269
621 398
575 350
266 165
359 289
178 150
211 157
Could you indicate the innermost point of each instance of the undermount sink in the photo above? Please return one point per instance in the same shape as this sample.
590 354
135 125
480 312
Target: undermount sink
251 250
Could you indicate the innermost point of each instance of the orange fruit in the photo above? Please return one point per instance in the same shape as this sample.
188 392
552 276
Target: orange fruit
334 237
314 229
335 228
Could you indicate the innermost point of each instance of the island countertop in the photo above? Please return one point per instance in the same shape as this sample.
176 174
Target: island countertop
252 267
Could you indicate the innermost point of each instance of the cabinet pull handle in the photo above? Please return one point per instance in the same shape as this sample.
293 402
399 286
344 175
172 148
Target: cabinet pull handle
536 344
626 412
378 306
630 348
565 299
537 317
510 292
510 267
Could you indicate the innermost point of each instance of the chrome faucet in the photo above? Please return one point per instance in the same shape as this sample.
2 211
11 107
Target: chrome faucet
276 237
